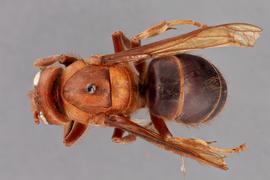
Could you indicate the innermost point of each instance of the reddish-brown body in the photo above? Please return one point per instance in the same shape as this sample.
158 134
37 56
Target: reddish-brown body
116 93
106 90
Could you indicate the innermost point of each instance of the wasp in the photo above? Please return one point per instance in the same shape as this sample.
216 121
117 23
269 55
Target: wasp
104 90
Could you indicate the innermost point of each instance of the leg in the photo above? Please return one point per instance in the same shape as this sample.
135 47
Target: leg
160 126
62 59
73 132
165 26
121 43
118 137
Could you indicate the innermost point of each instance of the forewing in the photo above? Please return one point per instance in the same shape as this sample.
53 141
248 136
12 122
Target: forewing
236 34
196 149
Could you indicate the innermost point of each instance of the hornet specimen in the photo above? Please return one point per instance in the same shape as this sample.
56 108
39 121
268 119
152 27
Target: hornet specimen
104 90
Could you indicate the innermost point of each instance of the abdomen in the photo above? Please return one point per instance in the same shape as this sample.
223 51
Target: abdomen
185 88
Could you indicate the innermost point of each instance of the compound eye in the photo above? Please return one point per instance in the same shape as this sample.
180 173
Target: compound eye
91 88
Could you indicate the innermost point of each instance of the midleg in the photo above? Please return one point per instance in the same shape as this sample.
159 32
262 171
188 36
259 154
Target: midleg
118 137
121 43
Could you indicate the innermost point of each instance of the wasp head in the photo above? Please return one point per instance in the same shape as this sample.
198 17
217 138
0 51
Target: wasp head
45 97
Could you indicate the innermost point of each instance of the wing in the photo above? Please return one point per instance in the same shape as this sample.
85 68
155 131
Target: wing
196 149
235 34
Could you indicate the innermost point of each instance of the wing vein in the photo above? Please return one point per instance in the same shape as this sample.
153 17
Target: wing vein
235 34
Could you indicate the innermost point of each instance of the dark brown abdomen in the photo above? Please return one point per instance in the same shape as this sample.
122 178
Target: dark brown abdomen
185 88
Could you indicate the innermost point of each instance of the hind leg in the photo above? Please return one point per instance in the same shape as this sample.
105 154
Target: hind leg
160 126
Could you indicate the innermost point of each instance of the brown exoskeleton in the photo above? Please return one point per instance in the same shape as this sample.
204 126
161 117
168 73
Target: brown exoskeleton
105 90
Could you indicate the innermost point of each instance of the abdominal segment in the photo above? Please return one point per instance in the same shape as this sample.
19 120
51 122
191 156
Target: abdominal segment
185 88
